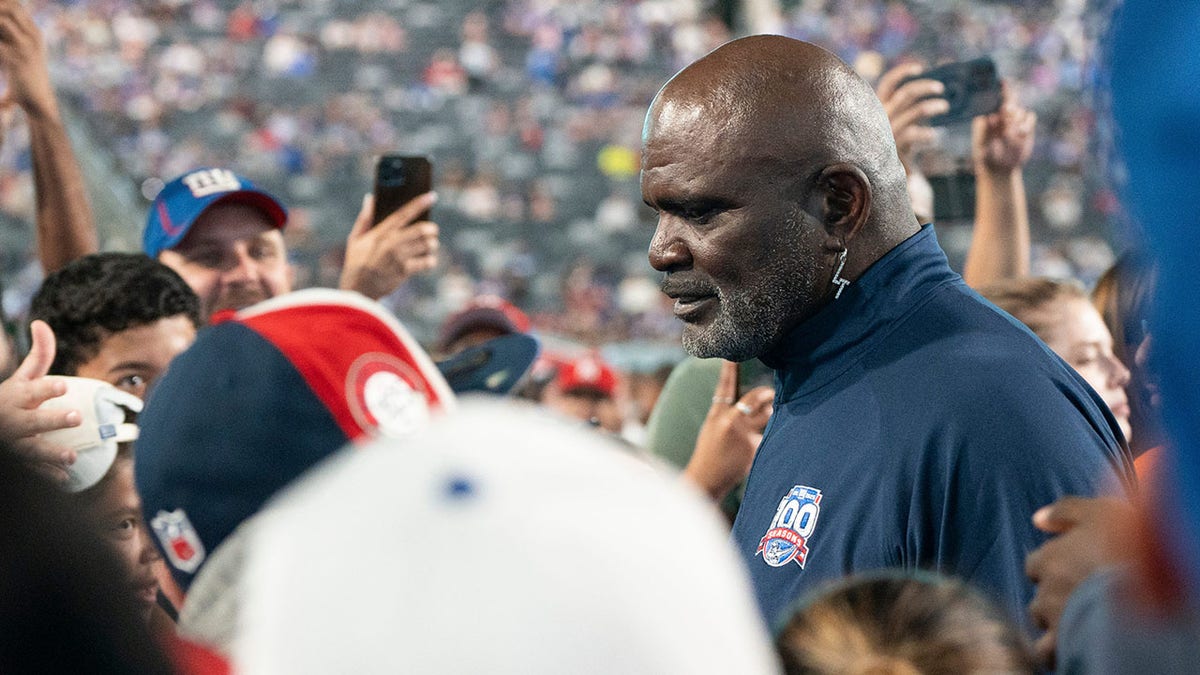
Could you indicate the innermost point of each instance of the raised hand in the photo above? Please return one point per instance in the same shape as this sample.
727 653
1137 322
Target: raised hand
730 435
23 58
909 105
21 421
380 258
1003 140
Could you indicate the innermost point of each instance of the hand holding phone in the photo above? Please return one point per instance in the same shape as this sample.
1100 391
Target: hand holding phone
971 88
379 259
398 180
909 103
1003 141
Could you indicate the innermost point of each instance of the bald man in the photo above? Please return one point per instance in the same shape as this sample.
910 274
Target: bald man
915 425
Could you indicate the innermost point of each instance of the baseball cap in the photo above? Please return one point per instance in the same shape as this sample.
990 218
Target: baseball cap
502 540
493 367
483 312
181 202
260 398
105 411
587 373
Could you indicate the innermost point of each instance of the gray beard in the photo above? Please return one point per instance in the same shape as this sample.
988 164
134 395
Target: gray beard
739 331
751 320
745 327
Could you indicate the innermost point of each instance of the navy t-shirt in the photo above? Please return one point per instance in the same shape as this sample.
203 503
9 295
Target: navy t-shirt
917 426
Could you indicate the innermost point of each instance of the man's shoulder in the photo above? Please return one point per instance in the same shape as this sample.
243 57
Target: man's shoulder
974 369
956 332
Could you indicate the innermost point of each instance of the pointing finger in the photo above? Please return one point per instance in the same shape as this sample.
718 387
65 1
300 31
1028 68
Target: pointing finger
407 214
362 222
726 391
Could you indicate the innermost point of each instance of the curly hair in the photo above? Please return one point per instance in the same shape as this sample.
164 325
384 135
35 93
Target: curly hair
105 293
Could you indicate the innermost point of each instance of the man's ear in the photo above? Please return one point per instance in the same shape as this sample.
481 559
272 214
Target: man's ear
847 200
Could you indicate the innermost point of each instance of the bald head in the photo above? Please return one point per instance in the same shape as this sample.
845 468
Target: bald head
773 171
794 104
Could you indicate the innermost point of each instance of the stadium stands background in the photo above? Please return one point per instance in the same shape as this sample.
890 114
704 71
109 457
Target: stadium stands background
531 111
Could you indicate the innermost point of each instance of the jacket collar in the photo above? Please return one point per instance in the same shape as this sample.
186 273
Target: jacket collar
835 338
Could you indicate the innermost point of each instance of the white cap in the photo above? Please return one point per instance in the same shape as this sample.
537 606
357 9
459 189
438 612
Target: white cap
501 540
104 409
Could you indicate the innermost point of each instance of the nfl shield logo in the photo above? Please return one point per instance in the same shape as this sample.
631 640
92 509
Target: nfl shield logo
787 539
178 540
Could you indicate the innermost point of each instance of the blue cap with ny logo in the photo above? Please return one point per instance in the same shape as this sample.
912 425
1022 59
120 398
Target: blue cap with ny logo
182 201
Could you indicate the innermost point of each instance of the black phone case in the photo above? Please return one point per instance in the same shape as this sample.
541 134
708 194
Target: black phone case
398 180
972 89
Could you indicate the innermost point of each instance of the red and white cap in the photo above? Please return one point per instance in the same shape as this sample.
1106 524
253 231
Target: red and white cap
263 397
587 373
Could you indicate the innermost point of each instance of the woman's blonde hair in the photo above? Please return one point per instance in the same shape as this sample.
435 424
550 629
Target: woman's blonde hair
901 624
1027 298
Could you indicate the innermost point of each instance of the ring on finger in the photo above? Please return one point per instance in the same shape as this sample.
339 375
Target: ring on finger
727 400
744 408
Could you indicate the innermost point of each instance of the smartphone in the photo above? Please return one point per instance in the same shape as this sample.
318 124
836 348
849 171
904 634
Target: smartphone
398 180
972 89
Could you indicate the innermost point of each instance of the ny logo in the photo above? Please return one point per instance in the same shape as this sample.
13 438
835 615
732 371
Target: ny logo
211 181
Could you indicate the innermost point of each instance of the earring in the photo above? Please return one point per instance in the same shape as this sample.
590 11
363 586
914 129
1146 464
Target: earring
837 275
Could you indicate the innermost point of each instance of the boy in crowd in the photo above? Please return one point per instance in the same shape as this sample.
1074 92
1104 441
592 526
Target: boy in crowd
117 317
101 482
114 505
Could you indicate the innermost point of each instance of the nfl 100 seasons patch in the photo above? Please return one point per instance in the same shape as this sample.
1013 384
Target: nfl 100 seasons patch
787 539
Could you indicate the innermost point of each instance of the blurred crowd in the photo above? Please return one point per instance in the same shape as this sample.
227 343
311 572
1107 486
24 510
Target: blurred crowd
532 113
311 427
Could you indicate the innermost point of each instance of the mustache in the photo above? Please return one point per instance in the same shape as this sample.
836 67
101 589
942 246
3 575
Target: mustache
675 286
